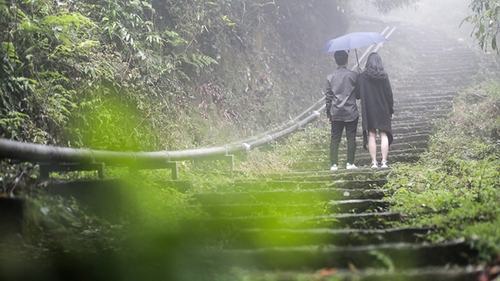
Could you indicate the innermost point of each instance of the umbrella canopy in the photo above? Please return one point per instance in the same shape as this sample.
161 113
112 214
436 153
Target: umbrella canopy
353 40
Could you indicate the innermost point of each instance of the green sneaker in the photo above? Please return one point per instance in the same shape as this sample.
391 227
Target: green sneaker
334 168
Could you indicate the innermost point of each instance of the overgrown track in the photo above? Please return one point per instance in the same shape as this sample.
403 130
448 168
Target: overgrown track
316 223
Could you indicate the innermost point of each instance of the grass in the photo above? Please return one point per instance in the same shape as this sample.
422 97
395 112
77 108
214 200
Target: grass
455 185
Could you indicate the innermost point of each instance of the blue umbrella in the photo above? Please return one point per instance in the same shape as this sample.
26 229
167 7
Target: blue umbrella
354 40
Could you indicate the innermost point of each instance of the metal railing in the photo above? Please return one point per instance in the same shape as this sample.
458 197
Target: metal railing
53 159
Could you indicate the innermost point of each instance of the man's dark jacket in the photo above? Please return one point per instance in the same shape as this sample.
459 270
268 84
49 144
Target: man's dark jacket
340 95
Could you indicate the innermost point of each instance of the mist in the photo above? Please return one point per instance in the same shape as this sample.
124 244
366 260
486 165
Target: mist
446 15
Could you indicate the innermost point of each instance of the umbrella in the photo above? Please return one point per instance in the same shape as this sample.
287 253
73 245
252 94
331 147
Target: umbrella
354 40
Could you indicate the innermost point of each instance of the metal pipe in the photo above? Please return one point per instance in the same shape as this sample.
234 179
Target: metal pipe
50 154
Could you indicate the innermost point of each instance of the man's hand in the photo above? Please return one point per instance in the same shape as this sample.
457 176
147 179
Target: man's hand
329 120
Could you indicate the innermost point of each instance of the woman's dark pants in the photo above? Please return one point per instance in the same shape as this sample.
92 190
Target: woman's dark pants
337 129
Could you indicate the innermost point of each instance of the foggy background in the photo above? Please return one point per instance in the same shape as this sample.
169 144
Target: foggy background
446 15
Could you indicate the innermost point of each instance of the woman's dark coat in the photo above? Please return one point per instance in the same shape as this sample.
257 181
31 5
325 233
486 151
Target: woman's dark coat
377 104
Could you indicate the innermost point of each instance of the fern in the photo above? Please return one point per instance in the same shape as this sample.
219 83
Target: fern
198 61
8 48
12 125
174 39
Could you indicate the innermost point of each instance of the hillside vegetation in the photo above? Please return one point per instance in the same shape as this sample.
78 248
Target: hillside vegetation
150 75
178 74
455 185
155 75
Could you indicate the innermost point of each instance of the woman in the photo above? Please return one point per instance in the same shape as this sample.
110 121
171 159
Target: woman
377 110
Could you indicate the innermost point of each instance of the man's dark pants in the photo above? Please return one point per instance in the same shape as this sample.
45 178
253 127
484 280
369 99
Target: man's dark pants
337 129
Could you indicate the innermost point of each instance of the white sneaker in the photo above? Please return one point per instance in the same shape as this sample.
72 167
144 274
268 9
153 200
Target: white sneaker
350 166
334 168
384 165
374 165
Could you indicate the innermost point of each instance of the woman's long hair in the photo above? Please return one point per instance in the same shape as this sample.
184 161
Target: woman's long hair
374 67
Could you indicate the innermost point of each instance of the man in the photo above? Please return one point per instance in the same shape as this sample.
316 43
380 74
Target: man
342 110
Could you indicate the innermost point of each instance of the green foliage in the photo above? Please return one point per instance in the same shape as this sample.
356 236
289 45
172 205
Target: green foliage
173 66
104 122
455 185
36 38
13 92
156 60
486 20
161 207
198 61
60 233
384 259
55 226
284 155
385 6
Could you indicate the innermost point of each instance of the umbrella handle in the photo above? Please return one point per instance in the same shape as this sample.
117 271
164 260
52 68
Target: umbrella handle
357 60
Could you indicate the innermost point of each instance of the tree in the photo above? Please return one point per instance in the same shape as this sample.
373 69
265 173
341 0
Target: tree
385 6
486 21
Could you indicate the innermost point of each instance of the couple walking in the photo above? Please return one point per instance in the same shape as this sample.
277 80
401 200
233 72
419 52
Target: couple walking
373 88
